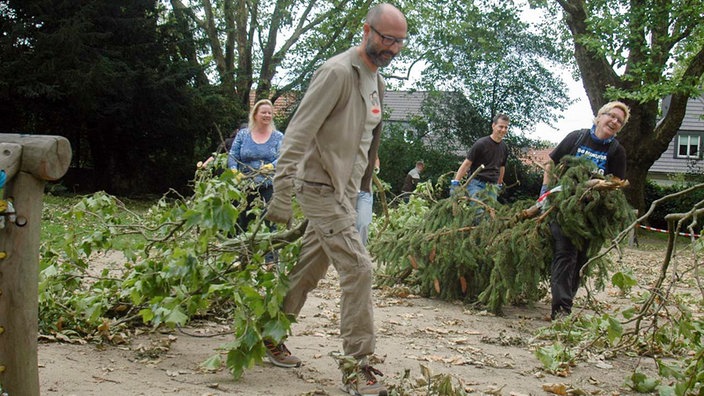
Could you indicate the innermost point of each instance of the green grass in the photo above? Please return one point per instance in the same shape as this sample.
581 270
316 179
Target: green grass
653 240
56 219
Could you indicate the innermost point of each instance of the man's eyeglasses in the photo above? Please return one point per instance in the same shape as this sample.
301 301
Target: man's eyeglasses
390 40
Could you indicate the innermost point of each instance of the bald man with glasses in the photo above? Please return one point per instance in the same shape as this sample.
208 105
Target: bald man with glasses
328 149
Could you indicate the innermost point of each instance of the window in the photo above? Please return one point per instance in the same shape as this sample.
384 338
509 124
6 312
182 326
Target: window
688 146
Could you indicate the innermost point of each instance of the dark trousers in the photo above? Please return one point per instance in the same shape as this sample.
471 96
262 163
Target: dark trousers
263 191
567 261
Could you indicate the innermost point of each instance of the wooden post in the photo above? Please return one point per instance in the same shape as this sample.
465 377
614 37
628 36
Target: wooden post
28 161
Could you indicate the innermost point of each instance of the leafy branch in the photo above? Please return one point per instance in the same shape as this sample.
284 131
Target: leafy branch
661 324
185 258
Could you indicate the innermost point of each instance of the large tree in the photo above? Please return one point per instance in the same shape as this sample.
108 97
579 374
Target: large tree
272 46
486 51
638 51
100 74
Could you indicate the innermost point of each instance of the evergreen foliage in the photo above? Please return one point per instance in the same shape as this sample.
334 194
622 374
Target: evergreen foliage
481 251
104 75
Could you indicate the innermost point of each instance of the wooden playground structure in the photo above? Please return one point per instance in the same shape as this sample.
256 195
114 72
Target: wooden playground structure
27 162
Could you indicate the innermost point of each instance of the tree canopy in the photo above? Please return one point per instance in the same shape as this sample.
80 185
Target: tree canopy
500 63
101 74
153 86
639 52
271 46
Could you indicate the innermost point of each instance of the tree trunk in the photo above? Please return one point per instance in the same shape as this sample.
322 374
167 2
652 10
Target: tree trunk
648 133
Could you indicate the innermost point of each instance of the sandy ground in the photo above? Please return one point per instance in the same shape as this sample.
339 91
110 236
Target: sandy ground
486 353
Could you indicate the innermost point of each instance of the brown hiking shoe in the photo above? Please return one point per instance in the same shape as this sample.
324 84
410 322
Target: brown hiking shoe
280 356
364 383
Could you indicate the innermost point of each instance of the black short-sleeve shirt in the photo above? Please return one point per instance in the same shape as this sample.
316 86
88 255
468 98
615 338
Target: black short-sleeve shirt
608 164
489 153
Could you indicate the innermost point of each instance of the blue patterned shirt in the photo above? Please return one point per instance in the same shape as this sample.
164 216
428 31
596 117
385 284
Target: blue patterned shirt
248 156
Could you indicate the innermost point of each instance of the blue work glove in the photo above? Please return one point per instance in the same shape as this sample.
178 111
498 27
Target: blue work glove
454 184
543 189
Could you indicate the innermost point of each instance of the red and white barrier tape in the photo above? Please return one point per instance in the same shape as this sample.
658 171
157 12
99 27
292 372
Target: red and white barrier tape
542 199
665 231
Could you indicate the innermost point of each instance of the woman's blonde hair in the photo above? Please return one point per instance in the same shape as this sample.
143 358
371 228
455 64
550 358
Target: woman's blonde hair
611 105
255 108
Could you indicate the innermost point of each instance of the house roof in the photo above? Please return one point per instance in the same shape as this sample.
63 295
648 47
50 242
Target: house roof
534 156
399 105
283 105
403 105
692 120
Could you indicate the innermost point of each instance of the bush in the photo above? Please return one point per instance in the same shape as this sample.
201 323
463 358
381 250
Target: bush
681 204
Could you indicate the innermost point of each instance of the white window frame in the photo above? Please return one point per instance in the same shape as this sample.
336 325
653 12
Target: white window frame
689 140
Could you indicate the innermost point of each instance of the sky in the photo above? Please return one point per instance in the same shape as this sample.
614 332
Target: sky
577 116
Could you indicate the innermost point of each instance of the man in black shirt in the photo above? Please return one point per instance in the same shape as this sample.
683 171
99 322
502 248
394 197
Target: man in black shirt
490 151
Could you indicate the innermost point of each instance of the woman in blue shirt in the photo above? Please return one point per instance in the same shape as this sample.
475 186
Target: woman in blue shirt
254 154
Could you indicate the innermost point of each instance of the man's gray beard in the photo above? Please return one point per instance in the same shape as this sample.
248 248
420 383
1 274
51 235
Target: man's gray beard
374 56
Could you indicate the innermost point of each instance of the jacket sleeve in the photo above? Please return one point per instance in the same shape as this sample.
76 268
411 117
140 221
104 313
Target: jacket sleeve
617 163
565 146
319 101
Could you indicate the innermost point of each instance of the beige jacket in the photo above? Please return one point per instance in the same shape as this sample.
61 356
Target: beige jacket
321 141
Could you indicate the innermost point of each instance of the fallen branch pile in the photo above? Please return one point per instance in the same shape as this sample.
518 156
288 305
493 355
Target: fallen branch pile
480 251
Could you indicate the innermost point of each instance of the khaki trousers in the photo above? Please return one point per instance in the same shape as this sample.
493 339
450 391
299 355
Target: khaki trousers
331 237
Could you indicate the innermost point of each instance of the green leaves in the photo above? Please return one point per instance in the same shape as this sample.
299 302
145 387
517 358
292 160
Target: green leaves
613 328
555 357
185 259
624 280
642 383
212 363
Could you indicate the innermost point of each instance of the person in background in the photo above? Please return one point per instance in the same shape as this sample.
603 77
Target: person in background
365 202
411 180
254 154
329 143
490 151
223 147
599 144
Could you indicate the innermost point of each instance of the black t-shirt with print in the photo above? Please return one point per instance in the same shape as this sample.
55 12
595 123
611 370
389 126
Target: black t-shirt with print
608 163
